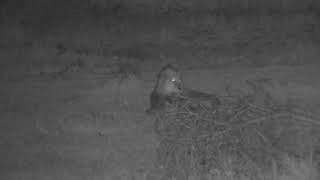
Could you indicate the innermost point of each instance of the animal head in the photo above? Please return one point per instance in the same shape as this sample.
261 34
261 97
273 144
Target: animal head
169 81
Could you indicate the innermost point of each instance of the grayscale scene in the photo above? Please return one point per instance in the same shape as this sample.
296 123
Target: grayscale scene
159 89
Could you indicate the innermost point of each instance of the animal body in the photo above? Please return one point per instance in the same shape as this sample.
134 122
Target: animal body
167 89
170 91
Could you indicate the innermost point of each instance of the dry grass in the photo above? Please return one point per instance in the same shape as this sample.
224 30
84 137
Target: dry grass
239 140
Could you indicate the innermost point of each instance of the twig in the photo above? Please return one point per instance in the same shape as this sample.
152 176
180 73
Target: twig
184 124
175 113
308 114
238 113
302 118
264 138
260 108
196 115
279 115
242 126
208 112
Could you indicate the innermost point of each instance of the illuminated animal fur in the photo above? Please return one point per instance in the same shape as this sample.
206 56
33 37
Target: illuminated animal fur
170 91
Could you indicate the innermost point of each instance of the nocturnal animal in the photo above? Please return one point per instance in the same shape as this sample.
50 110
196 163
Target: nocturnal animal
169 91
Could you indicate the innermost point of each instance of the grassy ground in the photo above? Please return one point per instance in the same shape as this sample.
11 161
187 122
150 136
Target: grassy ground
74 92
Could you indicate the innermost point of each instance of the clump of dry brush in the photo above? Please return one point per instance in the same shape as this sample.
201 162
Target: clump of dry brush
241 139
